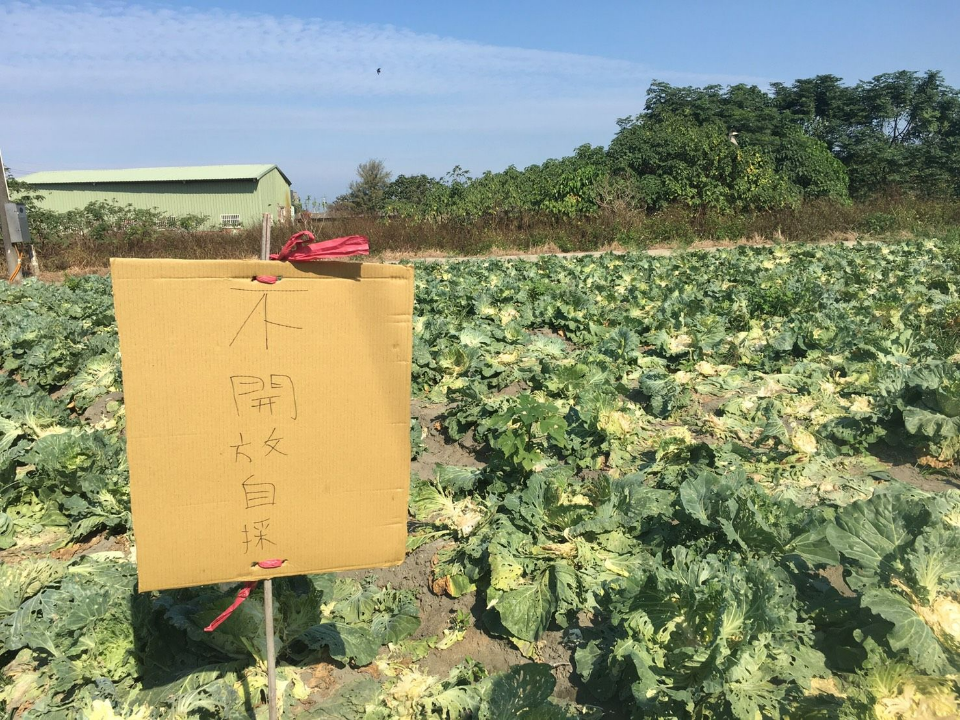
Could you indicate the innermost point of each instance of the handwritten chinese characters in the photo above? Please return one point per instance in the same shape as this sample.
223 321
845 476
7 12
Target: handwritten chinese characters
258 321
258 494
257 536
254 395
266 407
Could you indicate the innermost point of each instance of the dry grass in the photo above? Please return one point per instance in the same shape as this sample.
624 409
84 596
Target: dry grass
394 239
58 275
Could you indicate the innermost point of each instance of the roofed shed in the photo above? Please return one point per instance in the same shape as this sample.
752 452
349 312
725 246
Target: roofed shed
228 195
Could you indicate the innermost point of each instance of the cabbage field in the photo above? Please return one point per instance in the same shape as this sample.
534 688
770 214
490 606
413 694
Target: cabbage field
709 485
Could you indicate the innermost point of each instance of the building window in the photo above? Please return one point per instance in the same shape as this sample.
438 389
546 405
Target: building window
230 221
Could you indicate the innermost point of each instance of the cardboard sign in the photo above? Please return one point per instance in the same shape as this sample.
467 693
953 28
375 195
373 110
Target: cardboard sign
265 421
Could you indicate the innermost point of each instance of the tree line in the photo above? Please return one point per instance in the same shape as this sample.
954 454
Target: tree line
714 149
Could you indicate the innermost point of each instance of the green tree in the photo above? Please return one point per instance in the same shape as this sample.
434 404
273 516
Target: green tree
907 136
807 163
813 138
898 130
571 186
822 106
367 193
762 124
409 195
676 159
745 109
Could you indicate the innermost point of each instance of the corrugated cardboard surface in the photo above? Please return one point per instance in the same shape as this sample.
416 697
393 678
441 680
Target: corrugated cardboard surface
265 421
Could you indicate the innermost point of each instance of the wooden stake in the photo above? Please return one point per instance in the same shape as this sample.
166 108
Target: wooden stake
265 236
32 260
268 583
9 251
271 650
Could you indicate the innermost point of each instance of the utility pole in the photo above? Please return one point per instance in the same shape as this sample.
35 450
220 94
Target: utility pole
10 252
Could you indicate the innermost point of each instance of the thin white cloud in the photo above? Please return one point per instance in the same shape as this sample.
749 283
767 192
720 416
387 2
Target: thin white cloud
128 83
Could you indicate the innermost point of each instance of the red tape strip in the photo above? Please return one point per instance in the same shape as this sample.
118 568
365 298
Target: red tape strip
242 594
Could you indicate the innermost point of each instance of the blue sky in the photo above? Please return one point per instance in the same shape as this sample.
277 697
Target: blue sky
480 85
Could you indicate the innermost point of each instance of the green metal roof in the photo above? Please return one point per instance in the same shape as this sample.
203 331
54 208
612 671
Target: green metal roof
161 174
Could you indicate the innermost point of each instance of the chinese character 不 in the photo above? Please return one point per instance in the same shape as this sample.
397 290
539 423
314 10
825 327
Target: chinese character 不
265 319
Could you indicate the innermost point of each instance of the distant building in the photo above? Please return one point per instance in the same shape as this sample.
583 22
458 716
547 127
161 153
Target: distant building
228 195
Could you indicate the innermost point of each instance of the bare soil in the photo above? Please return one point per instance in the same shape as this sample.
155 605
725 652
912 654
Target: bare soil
834 575
440 450
904 465
438 611
98 412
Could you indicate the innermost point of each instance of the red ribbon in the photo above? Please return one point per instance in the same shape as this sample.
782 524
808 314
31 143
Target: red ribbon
242 594
297 250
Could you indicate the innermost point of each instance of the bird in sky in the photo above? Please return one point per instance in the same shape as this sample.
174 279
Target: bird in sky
378 71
